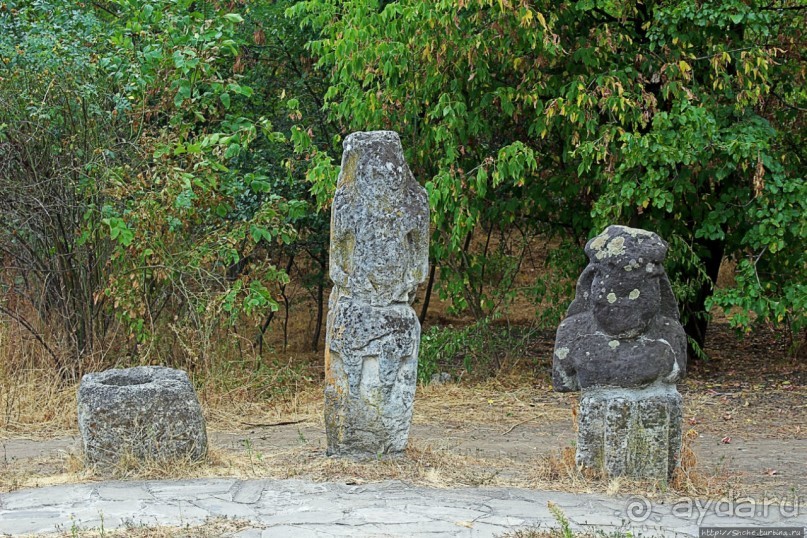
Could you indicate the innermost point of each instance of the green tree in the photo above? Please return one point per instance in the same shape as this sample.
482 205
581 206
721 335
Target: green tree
200 217
62 131
146 183
289 90
683 118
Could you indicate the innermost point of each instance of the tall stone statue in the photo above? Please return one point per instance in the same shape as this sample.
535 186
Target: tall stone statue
623 347
379 255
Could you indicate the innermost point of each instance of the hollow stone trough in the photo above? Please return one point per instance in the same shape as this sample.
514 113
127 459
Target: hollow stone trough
145 412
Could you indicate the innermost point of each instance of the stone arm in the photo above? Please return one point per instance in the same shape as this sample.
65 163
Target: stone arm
564 369
678 343
669 319
342 240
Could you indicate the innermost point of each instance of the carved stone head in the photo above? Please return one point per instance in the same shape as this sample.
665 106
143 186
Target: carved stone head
624 286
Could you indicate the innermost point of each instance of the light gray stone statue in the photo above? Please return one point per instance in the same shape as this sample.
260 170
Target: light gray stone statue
148 412
623 347
379 255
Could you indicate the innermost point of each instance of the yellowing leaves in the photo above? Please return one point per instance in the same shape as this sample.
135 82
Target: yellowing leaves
526 18
759 177
685 69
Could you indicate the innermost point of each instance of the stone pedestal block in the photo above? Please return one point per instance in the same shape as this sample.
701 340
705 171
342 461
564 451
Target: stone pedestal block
371 382
623 347
630 432
148 412
379 255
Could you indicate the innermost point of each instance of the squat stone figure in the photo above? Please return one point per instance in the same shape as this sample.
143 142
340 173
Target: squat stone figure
623 347
379 255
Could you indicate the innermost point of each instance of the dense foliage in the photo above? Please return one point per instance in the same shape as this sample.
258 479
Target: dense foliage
166 166
147 185
686 118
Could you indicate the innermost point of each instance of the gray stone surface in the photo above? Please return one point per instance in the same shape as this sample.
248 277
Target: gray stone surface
634 432
622 345
301 508
379 255
149 412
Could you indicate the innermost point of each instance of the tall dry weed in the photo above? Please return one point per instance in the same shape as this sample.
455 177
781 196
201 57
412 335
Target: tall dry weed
33 396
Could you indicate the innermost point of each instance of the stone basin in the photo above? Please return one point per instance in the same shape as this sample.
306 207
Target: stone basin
145 412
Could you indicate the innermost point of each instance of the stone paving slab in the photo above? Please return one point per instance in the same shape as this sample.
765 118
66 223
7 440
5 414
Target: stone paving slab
388 509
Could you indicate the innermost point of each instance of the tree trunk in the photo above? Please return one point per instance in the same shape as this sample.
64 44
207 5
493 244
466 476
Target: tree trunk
694 312
428 296
320 305
265 326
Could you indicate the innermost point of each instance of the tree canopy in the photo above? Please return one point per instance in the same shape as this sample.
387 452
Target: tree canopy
684 118
166 165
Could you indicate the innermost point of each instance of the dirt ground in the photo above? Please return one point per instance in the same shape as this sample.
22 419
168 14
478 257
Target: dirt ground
745 408
749 464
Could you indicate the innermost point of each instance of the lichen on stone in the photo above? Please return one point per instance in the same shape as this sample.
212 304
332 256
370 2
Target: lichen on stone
616 246
624 356
599 242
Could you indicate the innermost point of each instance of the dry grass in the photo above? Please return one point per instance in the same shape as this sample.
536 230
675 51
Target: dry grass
504 400
227 412
421 464
33 400
692 479
560 468
38 407
66 467
213 528
35 404
239 395
424 463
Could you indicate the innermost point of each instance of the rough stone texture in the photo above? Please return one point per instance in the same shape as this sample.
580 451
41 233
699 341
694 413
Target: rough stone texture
389 509
149 412
379 255
622 345
634 432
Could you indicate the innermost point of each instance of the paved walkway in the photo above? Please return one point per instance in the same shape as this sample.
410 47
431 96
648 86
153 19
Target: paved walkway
298 509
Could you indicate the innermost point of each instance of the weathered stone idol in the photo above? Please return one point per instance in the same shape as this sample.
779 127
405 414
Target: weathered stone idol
623 347
148 412
379 255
